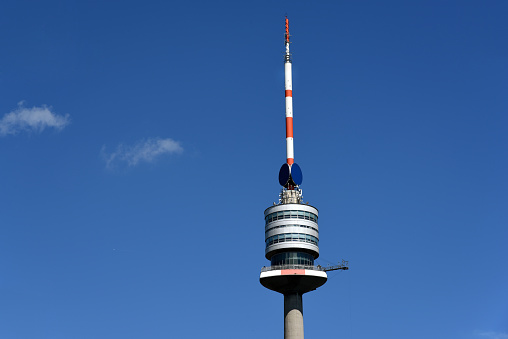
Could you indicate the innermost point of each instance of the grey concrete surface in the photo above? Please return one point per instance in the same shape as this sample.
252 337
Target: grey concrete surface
293 316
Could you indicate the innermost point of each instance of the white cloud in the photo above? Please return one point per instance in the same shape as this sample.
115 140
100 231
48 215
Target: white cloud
493 335
142 151
31 119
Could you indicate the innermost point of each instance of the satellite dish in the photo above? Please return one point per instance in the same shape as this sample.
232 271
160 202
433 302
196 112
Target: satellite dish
284 174
296 174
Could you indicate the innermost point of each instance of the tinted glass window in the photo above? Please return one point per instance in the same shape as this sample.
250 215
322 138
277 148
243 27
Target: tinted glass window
290 214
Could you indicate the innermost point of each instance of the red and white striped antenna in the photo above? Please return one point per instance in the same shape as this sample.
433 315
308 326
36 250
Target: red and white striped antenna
290 174
289 99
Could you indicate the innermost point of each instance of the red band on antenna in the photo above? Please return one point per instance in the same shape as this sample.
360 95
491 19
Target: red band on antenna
289 127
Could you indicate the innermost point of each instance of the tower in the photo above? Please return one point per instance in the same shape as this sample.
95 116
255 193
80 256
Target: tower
291 231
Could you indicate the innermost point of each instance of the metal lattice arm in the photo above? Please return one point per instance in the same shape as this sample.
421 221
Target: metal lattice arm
344 265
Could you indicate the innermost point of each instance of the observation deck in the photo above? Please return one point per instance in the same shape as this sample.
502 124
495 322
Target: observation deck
292 245
292 278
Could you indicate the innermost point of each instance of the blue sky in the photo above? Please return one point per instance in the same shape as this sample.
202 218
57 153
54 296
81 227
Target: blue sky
140 143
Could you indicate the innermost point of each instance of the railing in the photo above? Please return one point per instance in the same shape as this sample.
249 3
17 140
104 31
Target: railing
342 266
292 267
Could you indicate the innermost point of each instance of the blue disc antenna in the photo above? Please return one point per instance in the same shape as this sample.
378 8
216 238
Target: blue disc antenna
290 175
296 174
284 174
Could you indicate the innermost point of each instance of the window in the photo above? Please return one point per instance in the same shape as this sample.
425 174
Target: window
291 237
290 215
292 258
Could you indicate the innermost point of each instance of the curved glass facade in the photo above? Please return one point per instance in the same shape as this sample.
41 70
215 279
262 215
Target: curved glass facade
292 258
290 215
291 237
291 228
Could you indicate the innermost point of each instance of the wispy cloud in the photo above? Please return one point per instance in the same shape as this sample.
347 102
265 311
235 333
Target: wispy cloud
143 151
493 335
34 119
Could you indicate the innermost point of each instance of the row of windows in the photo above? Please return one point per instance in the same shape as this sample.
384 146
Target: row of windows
291 237
290 215
292 258
304 226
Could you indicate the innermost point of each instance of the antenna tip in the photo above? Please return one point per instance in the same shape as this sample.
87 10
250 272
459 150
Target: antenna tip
287 29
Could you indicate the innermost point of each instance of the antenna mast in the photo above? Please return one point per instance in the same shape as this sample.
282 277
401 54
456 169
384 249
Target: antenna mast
289 99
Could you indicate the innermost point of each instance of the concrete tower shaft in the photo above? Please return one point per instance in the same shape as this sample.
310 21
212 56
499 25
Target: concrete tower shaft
293 316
